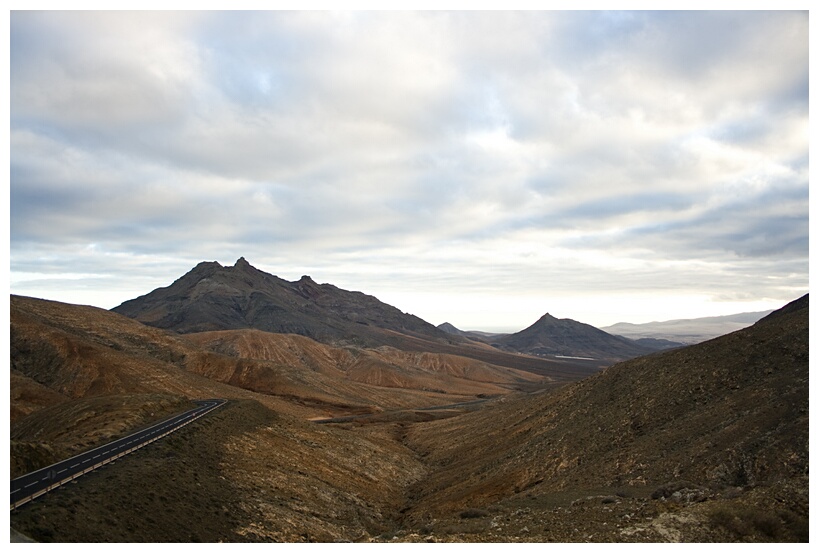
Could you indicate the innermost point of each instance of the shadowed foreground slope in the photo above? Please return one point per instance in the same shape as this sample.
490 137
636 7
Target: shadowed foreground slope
728 414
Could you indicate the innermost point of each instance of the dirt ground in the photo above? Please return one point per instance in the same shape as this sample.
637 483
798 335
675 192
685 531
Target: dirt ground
246 474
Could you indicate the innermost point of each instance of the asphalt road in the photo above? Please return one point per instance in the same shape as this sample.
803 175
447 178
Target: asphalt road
35 484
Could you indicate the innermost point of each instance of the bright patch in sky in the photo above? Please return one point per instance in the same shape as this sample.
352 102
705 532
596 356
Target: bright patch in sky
481 168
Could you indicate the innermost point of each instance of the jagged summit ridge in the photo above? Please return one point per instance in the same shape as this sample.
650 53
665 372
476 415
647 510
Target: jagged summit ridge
215 297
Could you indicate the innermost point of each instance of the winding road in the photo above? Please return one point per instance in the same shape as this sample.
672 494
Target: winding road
39 482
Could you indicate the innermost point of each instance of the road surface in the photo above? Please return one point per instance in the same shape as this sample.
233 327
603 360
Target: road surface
35 484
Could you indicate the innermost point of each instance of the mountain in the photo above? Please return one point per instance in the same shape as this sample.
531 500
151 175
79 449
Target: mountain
213 297
686 331
474 335
567 338
449 328
703 443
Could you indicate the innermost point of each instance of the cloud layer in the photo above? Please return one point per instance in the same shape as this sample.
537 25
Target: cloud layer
617 165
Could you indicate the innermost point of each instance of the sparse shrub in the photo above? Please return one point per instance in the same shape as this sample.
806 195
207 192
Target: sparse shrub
768 524
745 521
796 525
466 527
726 517
42 534
474 513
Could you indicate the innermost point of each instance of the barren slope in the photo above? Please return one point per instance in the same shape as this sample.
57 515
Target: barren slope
79 351
728 413
244 473
384 366
61 351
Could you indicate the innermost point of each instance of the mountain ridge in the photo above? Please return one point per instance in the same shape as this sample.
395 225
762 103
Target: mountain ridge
686 331
214 297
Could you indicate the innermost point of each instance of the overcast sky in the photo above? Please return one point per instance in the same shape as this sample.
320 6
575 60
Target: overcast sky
481 168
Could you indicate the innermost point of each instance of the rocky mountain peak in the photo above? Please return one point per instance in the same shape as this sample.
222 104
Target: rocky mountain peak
449 328
212 297
566 337
203 270
308 288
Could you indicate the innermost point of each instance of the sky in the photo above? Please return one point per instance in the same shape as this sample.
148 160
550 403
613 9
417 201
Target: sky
479 168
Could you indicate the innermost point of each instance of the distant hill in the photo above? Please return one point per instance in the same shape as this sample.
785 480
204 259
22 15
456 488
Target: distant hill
477 335
212 297
451 329
686 331
658 344
550 336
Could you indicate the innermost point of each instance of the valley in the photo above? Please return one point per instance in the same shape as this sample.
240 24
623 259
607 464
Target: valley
407 434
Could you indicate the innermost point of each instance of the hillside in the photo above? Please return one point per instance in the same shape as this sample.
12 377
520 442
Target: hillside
550 336
383 367
212 297
61 352
710 422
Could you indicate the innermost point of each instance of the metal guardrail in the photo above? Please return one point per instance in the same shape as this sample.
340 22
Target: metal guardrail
51 472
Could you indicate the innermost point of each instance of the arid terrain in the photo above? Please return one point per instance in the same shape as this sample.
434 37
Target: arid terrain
703 443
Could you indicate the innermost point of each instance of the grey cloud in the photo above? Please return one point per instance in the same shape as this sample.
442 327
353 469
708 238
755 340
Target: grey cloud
624 204
745 227
90 80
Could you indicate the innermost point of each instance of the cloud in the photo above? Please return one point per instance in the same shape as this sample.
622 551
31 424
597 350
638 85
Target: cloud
443 152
